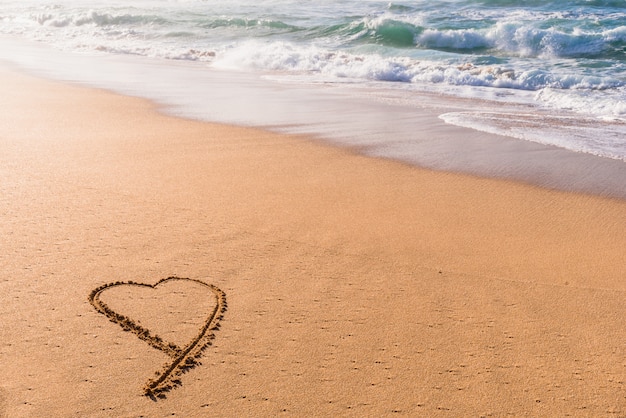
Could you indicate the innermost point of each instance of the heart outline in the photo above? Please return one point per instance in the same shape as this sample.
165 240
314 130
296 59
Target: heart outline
183 358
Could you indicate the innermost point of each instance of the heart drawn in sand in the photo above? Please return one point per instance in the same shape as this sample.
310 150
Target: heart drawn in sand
199 310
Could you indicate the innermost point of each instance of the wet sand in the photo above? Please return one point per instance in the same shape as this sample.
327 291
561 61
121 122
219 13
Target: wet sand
354 286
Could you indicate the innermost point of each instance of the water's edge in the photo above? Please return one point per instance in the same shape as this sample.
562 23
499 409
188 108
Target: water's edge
384 123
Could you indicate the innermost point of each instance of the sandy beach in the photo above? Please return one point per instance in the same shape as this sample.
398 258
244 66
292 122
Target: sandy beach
353 286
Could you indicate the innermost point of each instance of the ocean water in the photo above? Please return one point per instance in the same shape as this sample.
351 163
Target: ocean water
536 71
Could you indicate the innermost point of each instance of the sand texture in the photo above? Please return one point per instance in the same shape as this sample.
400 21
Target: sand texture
355 286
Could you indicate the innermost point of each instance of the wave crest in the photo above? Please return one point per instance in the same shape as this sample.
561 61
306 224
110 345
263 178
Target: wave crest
96 19
248 23
525 40
282 56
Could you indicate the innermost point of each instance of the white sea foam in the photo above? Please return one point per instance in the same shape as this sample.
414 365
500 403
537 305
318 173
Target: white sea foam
593 136
612 105
285 56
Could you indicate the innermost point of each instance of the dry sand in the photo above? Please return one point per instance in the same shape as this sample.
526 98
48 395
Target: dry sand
355 286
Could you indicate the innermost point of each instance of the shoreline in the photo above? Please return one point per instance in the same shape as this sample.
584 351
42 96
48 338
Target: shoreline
355 285
383 123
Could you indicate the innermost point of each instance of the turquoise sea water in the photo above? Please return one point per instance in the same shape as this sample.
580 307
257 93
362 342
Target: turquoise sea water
552 72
